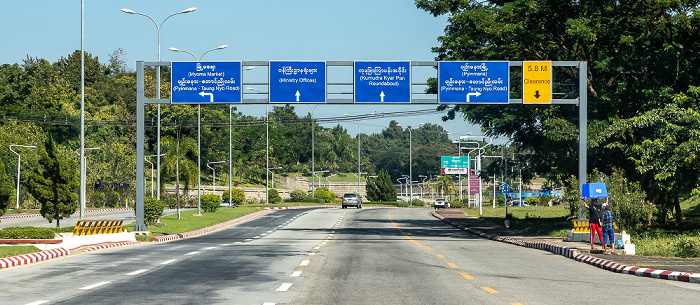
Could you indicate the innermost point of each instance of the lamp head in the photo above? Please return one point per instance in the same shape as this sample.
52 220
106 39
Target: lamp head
128 11
189 10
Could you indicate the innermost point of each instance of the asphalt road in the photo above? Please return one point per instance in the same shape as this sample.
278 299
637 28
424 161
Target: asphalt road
331 256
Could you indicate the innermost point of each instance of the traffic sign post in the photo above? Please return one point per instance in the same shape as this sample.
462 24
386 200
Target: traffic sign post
471 82
537 82
297 82
382 82
455 165
206 82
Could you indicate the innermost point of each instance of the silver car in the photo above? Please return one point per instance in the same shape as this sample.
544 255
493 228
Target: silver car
352 199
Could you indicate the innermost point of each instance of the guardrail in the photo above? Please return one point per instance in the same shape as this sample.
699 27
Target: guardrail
98 226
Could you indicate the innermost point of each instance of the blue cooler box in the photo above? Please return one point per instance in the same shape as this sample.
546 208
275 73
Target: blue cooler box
595 190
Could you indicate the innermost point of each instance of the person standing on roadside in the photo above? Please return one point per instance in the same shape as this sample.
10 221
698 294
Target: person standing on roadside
608 218
594 221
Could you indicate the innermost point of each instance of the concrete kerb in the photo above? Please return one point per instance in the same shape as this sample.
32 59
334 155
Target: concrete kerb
574 254
24 259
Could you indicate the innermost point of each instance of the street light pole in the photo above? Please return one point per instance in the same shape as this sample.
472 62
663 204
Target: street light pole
313 153
83 173
199 130
213 179
19 167
158 28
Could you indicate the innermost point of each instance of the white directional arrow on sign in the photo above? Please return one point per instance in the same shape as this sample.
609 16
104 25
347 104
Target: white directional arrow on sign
473 94
381 95
211 95
297 95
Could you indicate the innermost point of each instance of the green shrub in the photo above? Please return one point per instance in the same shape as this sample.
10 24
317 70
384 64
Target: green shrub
273 196
27 233
402 204
210 202
533 200
152 209
238 196
313 199
324 194
297 196
417 202
456 204
501 200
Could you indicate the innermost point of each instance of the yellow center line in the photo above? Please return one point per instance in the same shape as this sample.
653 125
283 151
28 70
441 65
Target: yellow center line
467 276
452 265
490 290
440 256
516 303
404 234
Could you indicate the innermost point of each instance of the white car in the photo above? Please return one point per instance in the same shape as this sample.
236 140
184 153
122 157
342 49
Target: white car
441 203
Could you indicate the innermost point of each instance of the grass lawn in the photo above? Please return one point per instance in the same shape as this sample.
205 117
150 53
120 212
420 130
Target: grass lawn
189 222
547 220
7 251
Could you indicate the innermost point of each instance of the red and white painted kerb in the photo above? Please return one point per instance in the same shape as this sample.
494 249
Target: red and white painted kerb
588 259
32 257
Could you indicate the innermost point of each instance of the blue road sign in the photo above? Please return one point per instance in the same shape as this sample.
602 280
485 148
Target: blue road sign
505 188
198 82
297 82
472 82
382 82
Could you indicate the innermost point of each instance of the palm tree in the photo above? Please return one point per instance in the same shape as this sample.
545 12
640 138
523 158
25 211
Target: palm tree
445 184
178 163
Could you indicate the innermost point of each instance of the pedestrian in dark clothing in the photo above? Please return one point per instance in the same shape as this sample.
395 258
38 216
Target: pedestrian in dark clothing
608 218
594 220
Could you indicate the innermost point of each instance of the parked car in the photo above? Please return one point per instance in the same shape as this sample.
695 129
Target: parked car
441 203
352 199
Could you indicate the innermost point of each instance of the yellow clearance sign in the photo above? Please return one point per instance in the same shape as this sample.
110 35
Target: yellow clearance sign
537 82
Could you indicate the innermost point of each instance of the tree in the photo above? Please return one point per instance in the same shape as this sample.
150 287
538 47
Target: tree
638 54
381 189
5 189
178 164
54 183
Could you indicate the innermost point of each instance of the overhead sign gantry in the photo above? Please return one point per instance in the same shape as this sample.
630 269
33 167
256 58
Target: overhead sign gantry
371 82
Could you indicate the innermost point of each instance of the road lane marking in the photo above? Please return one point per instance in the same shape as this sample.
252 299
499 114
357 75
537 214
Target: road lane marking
38 302
168 261
312 253
305 262
407 237
249 239
94 285
284 287
467 276
137 272
208 248
269 303
490 290
192 253
516 303
296 273
440 256
452 265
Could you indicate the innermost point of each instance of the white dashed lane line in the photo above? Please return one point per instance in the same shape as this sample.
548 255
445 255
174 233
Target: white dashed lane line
38 302
208 248
168 261
94 285
192 253
137 272
284 287
296 273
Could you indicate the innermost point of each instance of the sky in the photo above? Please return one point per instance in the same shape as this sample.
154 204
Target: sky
318 30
